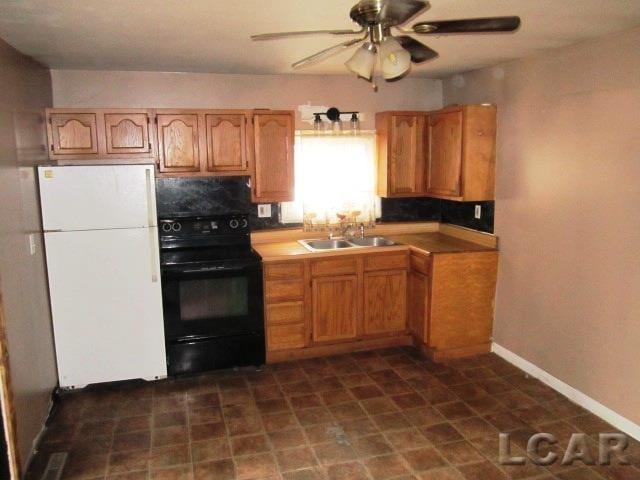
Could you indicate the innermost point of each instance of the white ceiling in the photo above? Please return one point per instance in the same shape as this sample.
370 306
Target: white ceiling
213 35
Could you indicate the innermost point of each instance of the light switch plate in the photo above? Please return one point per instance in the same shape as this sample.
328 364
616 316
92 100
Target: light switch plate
264 210
478 212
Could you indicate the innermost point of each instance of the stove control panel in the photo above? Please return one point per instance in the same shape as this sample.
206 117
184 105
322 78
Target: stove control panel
210 225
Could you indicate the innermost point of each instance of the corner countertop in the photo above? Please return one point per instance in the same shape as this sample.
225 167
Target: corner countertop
427 242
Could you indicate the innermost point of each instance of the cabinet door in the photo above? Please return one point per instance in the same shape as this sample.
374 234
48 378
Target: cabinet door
273 160
127 133
418 305
73 134
385 302
226 143
445 154
406 168
334 308
178 142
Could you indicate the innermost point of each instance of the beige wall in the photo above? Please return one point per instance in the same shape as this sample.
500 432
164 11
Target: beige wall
83 88
568 193
25 91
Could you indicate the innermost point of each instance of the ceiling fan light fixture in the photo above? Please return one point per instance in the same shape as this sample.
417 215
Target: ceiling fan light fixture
394 59
363 61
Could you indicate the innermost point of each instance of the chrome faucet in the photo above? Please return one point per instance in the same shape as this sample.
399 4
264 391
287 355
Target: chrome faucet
361 230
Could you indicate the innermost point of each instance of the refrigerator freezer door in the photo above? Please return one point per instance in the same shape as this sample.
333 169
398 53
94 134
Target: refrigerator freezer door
106 304
97 197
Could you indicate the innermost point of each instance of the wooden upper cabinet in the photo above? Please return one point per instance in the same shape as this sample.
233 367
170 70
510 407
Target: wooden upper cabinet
334 308
445 154
127 133
273 156
401 141
449 153
178 142
461 160
73 133
226 143
89 134
385 302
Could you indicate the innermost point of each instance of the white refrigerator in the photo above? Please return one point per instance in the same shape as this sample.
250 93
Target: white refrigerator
101 241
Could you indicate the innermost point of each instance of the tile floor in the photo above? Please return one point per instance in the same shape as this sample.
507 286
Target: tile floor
386 414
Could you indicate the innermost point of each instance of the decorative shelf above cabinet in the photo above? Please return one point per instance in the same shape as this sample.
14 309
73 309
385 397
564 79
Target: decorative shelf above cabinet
90 134
449 153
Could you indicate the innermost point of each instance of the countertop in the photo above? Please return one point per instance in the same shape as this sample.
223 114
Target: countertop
430 242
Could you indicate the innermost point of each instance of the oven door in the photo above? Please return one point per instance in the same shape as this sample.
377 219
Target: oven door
204 302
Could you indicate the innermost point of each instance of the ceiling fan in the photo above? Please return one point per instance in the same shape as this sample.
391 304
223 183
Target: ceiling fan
376 18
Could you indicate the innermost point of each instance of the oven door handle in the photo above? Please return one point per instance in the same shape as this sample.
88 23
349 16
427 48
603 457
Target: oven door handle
214 269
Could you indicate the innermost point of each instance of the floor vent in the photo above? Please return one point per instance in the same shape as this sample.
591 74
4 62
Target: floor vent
55 465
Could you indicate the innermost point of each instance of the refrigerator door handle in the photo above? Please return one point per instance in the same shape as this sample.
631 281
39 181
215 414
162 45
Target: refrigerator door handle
150 215
153 241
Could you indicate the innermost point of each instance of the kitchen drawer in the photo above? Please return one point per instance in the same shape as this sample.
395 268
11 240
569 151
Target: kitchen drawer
386 261
281 313
334 266
284 270
282 337
283 290
420 263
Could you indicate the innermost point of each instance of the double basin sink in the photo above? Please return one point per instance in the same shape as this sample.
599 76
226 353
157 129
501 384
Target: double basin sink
339 243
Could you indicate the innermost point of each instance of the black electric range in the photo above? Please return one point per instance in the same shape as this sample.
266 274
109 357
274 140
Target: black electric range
211 292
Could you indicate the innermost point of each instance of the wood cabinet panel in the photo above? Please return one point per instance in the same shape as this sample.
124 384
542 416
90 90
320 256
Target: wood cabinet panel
334 266
178 139
283 290
386 261
418 309
73 133
462 294
445 154
284 270
290 312
273 157
420 262
334 308
283 337
127 133
406 156
385 302
226 143
401 139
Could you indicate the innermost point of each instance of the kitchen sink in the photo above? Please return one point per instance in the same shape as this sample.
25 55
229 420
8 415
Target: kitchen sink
339 243
372 242
328 244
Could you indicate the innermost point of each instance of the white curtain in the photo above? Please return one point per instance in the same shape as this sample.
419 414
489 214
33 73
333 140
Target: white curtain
335 181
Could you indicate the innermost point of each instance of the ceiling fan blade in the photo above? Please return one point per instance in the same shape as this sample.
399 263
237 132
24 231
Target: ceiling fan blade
272 36
418 50
326 52
470 25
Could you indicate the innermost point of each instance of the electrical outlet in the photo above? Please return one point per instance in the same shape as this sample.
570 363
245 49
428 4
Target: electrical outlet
264 210
478 212
32 244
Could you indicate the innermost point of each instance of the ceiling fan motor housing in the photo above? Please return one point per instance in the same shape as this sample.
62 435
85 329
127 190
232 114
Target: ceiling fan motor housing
386 13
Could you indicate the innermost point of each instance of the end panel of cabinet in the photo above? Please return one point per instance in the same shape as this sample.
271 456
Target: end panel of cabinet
479 152
273 175
382 147
463 290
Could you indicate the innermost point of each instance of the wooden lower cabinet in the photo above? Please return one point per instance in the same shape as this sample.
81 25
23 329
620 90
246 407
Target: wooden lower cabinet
385 302
451 303
334 308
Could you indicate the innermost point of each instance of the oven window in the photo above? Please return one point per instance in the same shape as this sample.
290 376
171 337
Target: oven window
211 298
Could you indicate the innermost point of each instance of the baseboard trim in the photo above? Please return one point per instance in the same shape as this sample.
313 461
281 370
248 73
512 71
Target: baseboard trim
585 401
